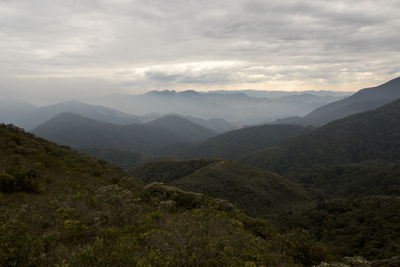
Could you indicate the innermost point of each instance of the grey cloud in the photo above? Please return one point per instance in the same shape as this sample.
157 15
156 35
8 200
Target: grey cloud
308 41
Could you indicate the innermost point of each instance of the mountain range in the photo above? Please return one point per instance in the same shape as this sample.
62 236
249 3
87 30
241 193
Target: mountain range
363 100
235 107
149 138
365 136
318 194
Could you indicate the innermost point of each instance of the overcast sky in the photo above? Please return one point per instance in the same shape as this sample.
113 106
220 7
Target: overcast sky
69 48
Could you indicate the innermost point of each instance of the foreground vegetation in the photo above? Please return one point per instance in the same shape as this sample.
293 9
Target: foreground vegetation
62 208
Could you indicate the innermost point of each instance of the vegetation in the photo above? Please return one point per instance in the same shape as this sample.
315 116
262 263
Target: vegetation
119 157
367 227
363 100
257 192
169 170
372 135
239 143
87 213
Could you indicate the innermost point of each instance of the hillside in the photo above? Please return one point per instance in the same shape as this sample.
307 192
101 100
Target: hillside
355 156
217 125
258 192
78 131
62 208
366 136
237 144
33 118
190 131
118 157
363 100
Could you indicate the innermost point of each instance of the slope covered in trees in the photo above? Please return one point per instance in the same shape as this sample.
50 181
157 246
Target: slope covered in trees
258 192
363 100
237 144
371 135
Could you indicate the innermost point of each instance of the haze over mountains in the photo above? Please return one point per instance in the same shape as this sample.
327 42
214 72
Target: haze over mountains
173 135
363 100
28 116
152 137
238 108
220 112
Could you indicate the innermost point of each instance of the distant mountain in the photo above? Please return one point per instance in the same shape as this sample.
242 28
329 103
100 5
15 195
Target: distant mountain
14 111
217 125
278 94
78 131
237 144
254 190
372 135
95 112
363 100
191 131
235 107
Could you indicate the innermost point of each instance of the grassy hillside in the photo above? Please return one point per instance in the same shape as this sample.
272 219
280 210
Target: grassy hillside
366 136
237 144
62 208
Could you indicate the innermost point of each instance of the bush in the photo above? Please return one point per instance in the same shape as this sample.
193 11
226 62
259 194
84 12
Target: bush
23 181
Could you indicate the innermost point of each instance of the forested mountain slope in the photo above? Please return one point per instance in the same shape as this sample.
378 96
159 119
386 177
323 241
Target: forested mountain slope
237 144
363 100
370 135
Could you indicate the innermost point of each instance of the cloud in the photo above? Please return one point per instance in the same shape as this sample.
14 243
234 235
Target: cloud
142 45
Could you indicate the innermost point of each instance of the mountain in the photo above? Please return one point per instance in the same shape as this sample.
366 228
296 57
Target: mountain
95 112
236 108
372 135
258 192
278 94
363 100
62 208
14 111
191 131
151 138
217 125
237 144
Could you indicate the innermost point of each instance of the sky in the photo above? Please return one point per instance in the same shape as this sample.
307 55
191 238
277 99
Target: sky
51 49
